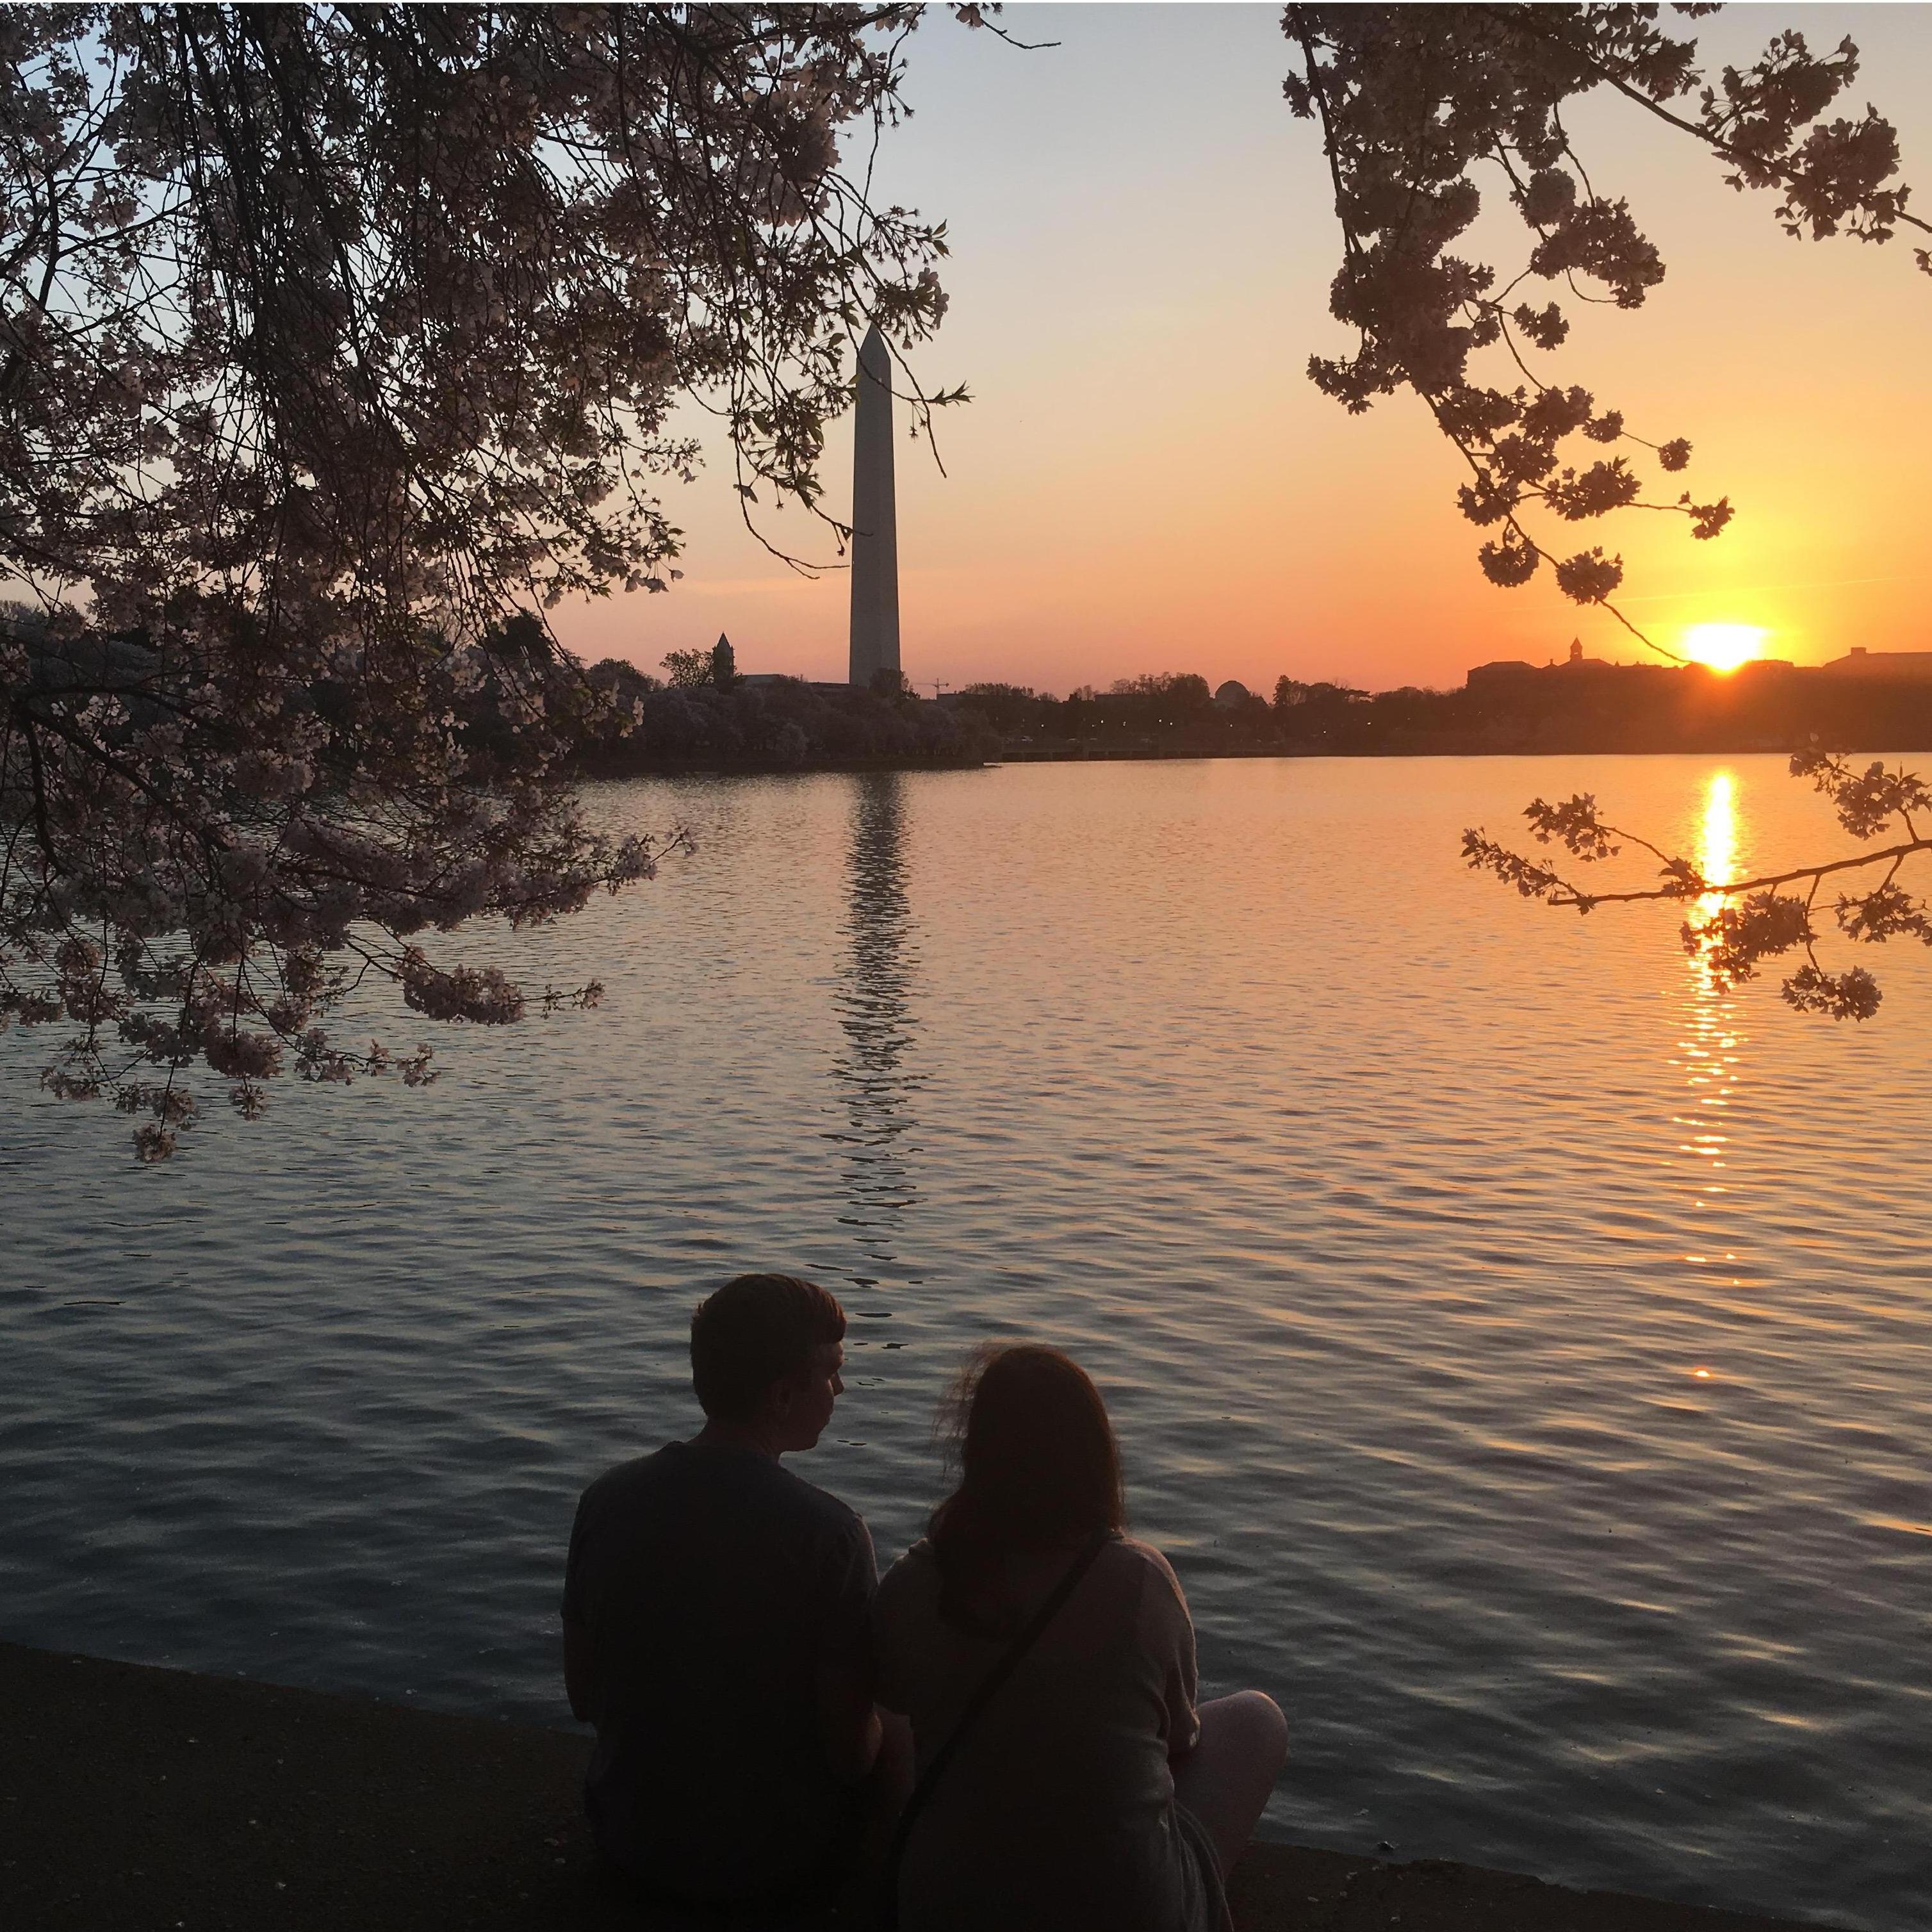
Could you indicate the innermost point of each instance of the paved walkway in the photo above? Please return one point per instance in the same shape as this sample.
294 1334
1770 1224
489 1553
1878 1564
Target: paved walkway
133 1798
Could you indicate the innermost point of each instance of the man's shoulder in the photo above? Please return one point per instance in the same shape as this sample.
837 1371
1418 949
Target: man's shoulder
814 1520
635 1473
836 1518
667 1476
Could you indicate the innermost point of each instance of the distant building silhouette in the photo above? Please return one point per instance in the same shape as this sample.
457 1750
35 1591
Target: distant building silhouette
1915 666
1504 673
1231 694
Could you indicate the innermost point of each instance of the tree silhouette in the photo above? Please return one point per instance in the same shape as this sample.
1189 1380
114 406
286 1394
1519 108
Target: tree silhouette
335 342
1420 108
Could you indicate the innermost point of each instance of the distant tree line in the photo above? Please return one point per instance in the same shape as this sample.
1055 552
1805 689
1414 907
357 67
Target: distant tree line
1171 714
704 716
1640 708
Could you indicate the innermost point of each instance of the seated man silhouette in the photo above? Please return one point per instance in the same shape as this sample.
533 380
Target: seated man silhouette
716 1614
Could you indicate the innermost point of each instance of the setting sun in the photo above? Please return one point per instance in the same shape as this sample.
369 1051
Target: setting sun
1724 647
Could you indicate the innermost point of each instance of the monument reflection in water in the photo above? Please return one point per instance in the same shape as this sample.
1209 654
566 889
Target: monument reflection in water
873 1003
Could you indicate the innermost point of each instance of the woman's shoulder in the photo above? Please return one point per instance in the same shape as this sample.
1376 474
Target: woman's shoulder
1128 1570
1145 1559
1141 1567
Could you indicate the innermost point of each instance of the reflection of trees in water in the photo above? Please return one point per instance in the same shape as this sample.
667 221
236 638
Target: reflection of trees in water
876 1017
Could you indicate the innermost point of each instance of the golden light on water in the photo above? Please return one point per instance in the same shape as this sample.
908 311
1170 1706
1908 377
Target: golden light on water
1724 646
1711 1041
1717 838
1720 825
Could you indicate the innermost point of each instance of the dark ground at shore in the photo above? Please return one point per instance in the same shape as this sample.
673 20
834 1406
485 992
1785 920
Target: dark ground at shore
133 1798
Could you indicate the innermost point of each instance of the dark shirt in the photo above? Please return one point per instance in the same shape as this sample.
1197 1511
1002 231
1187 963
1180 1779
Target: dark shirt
713 1585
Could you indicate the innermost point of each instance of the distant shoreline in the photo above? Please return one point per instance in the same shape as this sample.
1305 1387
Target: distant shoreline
1118 755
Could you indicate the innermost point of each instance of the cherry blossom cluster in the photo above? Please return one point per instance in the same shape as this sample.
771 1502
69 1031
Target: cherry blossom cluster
337 344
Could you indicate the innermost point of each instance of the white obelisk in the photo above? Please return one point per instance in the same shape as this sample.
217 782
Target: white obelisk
875 542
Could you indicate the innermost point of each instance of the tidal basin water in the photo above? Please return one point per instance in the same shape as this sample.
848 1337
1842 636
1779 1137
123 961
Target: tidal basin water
1521 1347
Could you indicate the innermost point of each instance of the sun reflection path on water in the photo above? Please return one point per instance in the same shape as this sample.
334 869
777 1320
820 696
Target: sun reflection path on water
1710 1046
1717 845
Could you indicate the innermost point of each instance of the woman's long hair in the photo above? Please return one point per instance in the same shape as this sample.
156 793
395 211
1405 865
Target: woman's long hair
1038 1465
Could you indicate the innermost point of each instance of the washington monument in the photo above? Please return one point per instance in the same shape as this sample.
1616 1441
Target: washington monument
875 542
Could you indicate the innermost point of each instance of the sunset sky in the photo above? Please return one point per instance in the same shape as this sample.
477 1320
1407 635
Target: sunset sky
1145 481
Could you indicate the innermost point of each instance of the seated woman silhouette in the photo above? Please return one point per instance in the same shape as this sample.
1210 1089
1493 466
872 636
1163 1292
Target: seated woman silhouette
1084 1790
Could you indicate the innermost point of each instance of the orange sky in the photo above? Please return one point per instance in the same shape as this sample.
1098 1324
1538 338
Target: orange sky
1146 480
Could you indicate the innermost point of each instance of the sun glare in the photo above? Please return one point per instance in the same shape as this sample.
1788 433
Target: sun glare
1724 647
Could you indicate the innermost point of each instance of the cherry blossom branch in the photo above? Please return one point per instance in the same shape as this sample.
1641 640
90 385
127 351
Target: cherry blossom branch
1752 919
1411 103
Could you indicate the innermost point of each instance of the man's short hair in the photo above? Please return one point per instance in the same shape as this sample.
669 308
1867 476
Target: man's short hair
754 1331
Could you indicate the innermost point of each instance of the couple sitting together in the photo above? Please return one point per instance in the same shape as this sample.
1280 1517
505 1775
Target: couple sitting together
1003 1735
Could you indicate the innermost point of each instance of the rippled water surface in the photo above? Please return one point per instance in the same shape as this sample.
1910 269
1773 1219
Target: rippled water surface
1521 1348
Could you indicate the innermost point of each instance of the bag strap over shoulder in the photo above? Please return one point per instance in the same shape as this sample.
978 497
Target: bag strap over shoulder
989 1688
